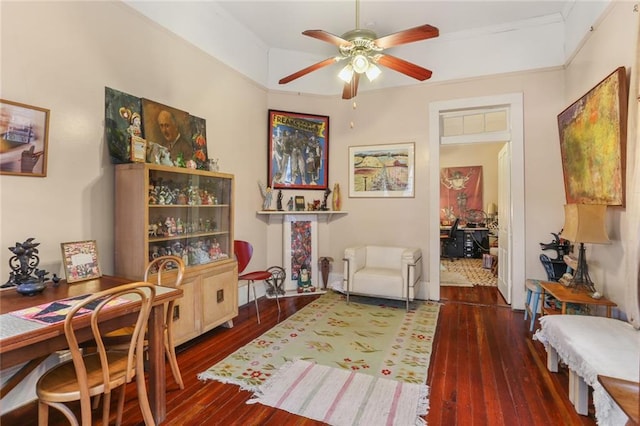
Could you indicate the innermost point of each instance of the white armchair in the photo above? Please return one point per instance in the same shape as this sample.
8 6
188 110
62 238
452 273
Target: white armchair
388 272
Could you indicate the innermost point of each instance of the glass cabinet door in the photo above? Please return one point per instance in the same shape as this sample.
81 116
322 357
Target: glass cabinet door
189 216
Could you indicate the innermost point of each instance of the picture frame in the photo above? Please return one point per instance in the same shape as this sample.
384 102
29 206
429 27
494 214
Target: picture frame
298 151
300 205
24 136
593 140
138 149
168 133
80 260
382 170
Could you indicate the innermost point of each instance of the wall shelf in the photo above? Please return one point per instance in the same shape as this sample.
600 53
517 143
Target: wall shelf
275 215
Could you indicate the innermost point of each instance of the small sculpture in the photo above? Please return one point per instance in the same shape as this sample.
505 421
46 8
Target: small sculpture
324 207
290 204
266 196
325 266
279 202
25 275
336 202
304 281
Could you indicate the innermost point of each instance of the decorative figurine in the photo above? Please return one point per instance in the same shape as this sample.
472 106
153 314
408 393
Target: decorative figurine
279 202
304 281
266 196
324 207
25 275
290 204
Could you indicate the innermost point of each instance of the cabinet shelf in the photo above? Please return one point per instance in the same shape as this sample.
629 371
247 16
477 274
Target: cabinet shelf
200 232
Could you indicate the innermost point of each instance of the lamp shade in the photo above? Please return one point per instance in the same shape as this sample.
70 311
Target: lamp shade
585 223
492 209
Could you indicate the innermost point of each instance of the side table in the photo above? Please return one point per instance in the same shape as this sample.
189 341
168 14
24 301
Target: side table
566 295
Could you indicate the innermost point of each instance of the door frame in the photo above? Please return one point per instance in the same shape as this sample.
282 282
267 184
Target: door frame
514 103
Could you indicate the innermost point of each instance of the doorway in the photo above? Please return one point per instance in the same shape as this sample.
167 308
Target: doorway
511 214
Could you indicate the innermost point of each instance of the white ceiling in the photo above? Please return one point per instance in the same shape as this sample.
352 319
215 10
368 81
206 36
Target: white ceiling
262 39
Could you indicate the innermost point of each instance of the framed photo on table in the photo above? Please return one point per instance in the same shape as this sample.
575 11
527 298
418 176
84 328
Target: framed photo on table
80 260
382 170
298 152
24 132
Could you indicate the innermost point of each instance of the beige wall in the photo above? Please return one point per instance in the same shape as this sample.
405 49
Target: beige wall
61 56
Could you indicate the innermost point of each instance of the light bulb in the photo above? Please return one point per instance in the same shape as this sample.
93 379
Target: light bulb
373 72
346 73
360 63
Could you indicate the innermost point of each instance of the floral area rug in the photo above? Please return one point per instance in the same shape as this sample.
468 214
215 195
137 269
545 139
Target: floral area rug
370 336
466 272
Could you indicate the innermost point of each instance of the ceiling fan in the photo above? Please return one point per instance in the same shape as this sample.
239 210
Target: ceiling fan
363 50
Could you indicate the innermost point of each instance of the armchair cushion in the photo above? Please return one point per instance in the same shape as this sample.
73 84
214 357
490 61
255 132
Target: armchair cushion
389 272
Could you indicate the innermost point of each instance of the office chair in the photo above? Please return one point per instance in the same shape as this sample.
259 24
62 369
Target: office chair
243 251
98 373
449 240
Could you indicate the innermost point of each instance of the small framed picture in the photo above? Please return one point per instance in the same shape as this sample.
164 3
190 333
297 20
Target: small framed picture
80 259
138 149
24 133
300 206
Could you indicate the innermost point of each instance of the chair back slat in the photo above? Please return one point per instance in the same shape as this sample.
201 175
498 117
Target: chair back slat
243 251
139 292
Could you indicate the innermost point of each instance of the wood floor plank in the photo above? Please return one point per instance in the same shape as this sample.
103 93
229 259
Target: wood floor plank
485 370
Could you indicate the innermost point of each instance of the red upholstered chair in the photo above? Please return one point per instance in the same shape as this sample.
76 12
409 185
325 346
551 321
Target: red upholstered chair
243 251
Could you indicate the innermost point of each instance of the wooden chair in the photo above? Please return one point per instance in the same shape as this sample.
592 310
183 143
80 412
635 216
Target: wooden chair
97 373
243 251
158 266
164 264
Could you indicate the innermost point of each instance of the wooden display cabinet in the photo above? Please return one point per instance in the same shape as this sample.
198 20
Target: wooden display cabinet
188 213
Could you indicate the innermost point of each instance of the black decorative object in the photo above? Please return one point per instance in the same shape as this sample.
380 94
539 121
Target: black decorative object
324 207
25 275
279 203
561 246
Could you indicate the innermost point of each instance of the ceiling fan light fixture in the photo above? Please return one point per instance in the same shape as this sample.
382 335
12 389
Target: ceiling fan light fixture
346 73
373 72
360 63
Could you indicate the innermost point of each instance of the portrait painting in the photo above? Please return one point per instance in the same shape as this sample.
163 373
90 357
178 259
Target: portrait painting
168 134
593 137
298 153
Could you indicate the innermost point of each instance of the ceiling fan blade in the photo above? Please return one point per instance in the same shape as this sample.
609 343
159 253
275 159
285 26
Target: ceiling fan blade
327 37
422 32
307 70
350 89
404 67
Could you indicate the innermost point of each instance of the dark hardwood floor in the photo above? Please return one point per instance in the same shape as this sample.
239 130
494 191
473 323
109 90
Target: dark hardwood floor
485 370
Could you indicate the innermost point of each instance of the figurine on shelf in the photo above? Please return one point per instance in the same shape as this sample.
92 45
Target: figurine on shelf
279 202
324 207
266 193
290 204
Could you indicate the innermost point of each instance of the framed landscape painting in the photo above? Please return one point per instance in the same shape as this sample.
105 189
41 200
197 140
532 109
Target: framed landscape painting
593 138
382 170
298 152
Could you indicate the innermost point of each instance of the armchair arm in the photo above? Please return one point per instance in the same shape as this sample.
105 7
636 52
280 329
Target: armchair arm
354 260
411 266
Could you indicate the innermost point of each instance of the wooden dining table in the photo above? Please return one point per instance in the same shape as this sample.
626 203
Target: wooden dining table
23 340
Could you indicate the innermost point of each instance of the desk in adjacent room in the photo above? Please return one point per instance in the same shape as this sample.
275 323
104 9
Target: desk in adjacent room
22 340
470 242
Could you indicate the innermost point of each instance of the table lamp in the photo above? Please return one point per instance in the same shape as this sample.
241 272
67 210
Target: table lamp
492 210
584 223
